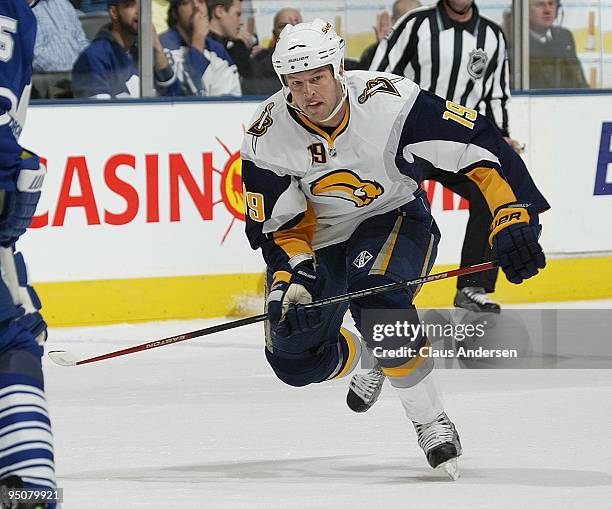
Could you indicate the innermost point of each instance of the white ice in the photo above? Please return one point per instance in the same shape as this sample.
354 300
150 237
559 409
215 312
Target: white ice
205 424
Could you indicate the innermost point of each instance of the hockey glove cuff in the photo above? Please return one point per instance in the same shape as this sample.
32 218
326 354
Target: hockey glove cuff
514 239
288 294
20 205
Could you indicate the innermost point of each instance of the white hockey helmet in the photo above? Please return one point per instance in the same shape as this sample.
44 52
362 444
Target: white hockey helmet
307 46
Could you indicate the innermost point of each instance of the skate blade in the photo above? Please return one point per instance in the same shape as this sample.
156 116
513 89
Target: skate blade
451 468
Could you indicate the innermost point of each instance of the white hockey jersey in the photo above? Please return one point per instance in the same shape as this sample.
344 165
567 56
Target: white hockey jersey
307 188
207 73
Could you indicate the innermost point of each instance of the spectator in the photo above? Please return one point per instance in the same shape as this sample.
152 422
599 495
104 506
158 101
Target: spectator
108 68
383 27
264 80
60 37
454 52
202 65
553 62
225 24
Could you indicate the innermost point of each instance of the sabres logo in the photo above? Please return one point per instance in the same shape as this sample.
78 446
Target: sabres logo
376 85
263 123
346 185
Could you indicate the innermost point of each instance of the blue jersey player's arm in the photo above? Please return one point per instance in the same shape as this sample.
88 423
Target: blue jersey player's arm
17 36
457 139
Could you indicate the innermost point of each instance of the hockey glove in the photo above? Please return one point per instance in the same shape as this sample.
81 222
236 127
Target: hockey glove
20 205
514 239
288 294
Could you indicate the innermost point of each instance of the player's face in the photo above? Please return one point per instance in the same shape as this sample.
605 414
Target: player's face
231 21
186 10
542 14
315 92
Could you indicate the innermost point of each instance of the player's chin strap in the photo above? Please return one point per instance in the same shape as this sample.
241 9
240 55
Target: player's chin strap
339 105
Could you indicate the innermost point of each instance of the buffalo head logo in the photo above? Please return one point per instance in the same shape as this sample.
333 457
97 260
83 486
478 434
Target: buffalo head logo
346 185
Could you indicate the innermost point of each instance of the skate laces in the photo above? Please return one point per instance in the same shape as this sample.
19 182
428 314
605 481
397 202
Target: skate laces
367 385
438 432
477 295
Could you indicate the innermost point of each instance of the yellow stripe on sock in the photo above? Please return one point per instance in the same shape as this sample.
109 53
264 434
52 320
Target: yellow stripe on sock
406 368
352 348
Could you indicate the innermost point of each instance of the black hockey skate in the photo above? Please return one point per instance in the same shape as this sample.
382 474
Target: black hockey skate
474 298
364 389
440 443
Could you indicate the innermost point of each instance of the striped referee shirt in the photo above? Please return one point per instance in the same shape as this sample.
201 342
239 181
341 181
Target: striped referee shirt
462 62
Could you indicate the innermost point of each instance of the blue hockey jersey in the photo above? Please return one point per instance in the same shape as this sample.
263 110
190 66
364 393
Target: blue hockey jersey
209 73
17 36
105 70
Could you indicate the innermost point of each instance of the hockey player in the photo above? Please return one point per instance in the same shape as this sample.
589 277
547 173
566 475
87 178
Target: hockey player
331 170
26 443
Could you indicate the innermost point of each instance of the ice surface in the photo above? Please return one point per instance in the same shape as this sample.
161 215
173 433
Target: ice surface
205 424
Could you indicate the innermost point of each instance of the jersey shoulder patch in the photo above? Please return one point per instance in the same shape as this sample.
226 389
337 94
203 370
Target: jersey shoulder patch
370 86
263 122
272 135
380 84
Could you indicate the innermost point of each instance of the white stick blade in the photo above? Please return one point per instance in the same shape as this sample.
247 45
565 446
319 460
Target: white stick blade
62 358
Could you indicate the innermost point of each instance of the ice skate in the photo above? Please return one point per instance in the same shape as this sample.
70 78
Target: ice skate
474 298
440 443
364 389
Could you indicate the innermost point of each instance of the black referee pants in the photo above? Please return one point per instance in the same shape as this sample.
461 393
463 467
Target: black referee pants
476 242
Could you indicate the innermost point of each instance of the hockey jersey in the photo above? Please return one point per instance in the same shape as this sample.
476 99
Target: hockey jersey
18 34
105 70
210 73
307 188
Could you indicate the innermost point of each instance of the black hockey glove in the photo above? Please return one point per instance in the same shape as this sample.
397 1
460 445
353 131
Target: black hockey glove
288 294
514 239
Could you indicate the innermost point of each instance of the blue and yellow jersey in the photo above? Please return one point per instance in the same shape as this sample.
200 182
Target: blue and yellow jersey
307 188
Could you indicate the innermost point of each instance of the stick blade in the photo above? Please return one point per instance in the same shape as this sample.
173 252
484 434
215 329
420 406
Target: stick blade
62 358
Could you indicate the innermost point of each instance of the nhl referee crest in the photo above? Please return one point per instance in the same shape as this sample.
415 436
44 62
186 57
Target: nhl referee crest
477 63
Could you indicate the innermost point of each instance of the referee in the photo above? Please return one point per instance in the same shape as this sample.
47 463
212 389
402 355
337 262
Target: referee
454 52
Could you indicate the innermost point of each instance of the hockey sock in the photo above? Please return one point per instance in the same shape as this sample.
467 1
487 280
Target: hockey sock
422 402
350 346
26 441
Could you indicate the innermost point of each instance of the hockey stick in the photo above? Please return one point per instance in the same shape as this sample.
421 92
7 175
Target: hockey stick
64 358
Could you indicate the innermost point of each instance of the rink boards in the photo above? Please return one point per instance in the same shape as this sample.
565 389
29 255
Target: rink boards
142 215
